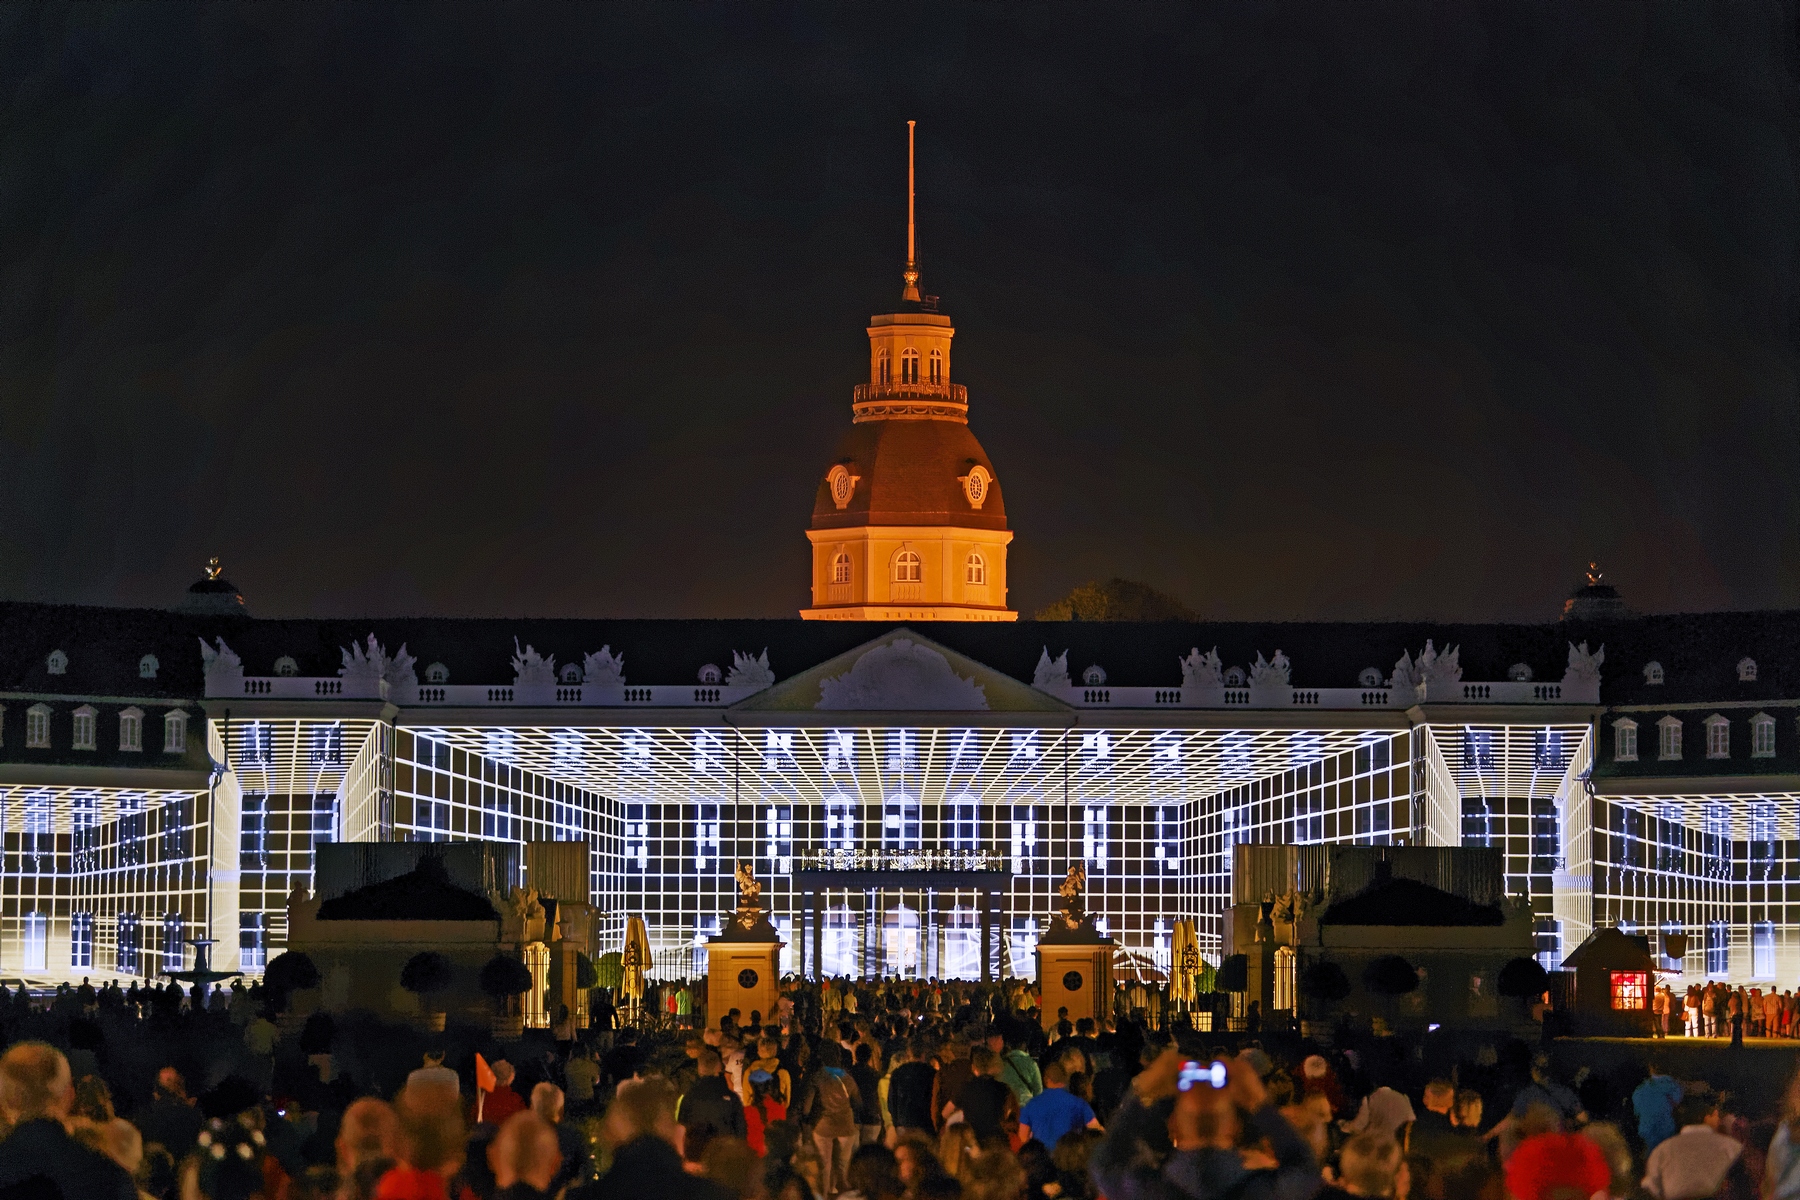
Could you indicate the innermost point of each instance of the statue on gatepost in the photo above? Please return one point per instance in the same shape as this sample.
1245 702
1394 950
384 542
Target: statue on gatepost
750 921
1071 922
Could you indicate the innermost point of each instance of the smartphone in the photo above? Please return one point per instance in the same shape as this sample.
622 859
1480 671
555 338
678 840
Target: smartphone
1192 1074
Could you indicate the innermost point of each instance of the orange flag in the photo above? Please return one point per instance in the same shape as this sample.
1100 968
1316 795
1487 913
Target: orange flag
484 1076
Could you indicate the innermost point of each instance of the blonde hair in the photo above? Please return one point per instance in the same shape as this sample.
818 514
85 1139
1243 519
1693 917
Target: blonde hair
957 1147
34 1080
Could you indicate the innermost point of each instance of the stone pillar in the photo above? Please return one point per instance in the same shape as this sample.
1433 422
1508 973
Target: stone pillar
742 975
1077 976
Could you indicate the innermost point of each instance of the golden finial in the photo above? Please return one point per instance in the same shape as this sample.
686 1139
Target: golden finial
1595 574
213 569
911 274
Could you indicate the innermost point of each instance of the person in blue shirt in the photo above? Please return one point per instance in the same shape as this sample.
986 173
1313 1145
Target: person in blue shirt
1055 1110
1654 1102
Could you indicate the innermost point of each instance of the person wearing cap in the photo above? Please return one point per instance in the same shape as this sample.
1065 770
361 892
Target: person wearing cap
765 1108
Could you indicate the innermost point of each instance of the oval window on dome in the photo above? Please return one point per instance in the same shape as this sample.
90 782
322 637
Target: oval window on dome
842 484
975 485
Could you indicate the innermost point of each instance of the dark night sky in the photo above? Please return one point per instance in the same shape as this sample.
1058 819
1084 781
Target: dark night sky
1296 310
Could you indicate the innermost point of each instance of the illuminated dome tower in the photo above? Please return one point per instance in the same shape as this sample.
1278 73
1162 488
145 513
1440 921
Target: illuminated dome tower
909 523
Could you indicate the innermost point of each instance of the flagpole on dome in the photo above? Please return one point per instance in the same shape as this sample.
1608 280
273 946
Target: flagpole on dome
911 274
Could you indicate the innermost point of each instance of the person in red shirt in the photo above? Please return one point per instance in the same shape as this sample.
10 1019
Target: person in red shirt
503 1101
764 1109
431 1144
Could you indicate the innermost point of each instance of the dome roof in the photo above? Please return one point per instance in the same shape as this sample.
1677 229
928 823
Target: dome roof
910 472
214 595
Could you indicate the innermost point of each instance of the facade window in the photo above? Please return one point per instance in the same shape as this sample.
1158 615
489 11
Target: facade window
1093 836
57 663
1746 669
34 929
1762 736
1630 990
1547 749
327 744
174 930
1024 837
131 729
909 366
908 567
1625 740
840 567
37 727
81 941
1718 737
884 368
175 732
900 825
1762 950
1478 749
86 717
253 944
1653 673
637 836
840 822
37 839
779 826
974 570
259 744
125 945
1718 949
706 837
1167 850
937 366
147 667
964 814
1668 739
175 830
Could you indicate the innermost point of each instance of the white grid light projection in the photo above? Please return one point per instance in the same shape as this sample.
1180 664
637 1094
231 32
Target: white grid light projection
692 801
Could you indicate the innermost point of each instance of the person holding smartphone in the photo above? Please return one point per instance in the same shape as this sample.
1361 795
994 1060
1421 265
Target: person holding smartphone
1201 1109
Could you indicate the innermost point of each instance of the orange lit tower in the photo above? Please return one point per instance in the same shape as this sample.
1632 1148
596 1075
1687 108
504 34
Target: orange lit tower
909 522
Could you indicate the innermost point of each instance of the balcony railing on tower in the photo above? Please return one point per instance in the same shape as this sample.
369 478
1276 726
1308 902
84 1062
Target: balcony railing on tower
892 400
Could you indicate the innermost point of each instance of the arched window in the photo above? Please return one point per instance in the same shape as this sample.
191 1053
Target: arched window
974 569
908 568
909 367
884 367
840 567
937 366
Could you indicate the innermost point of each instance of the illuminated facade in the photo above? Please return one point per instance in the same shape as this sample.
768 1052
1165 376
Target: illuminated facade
141 810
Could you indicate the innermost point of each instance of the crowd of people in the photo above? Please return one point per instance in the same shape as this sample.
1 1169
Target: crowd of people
1717 1009
898 1091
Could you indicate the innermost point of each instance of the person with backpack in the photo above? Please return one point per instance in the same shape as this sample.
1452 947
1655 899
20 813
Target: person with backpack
835 1099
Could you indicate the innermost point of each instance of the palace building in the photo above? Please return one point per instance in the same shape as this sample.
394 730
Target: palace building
911 770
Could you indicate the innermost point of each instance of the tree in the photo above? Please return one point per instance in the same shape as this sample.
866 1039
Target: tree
425 973
1390 975
586 977
288 973
1234 974
1524 978
1117 600
1325 981
610 969
504 977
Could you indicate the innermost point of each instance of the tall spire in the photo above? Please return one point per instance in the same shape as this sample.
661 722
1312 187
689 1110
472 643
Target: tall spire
911 274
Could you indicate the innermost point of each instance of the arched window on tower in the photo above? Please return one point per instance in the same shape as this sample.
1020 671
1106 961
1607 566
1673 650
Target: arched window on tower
884 367
840 568
974 569
937 366
909 366
908 568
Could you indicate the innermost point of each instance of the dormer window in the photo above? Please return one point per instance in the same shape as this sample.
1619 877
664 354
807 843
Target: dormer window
286 667
175 732
884 367
1624 740
57 663
709 673
147 667
85 720
975 570
37 727
571 673
1746 670
1668 739
437 673
1370 677
1762 736
937 366
1718 737
1519 672
1234 677
1094 676
840 567
1653 673
909 366
131 729
908 567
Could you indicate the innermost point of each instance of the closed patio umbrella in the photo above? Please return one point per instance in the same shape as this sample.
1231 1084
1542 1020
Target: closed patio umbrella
637 962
